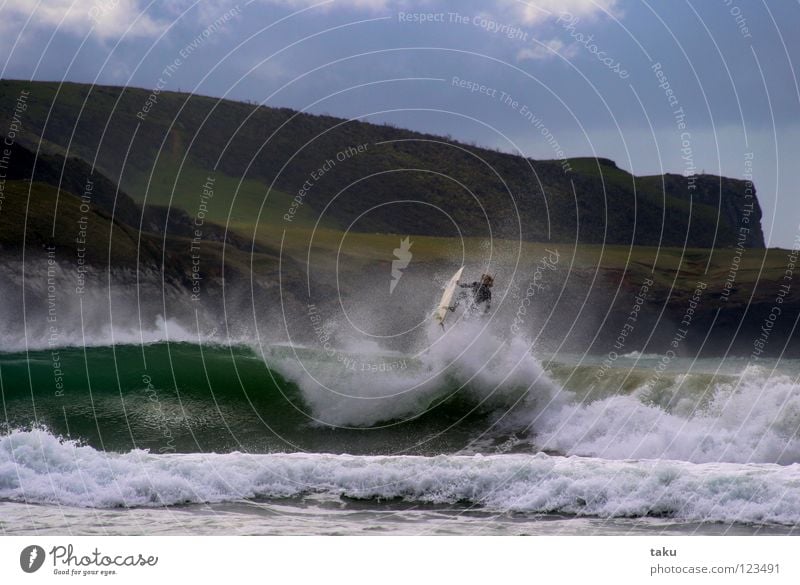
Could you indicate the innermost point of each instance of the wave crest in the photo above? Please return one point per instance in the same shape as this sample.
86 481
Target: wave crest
37 467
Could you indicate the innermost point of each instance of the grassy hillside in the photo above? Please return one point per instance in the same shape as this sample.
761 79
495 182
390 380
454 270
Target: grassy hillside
362 177
36 217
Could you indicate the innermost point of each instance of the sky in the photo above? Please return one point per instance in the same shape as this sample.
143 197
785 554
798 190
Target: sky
676 86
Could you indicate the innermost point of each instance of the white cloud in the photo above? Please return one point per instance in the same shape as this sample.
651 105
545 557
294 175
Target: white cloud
372 5
113 18
547 50
527 11
536 11
105 18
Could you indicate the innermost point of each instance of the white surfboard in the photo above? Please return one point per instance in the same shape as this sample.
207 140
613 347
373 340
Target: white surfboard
447 298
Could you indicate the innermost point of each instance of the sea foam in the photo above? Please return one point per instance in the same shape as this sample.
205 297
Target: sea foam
37 467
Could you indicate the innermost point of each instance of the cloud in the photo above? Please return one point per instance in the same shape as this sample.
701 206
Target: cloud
371 5
105 18
536 11
547 50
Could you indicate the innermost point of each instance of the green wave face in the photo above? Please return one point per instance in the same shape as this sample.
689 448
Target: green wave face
186 398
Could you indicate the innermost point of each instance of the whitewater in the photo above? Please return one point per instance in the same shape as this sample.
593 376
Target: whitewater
470 424
38 467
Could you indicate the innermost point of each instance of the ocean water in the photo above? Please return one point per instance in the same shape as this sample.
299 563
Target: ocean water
472 435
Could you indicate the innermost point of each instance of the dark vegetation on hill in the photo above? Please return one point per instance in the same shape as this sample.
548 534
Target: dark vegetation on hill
448 188
74 178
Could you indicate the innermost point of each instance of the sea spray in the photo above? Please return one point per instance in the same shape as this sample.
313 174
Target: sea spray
754 419
465 362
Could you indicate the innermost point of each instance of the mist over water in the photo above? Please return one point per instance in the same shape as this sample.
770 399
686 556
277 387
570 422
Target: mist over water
359 386
356 363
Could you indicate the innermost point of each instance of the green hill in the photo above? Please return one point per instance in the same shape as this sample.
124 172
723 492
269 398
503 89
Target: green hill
274 168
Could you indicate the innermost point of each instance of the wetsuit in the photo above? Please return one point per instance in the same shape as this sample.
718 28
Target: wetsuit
481 294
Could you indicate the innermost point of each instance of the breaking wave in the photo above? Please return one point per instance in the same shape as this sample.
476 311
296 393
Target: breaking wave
37 467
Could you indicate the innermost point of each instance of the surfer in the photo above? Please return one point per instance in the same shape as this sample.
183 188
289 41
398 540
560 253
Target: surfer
481 293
